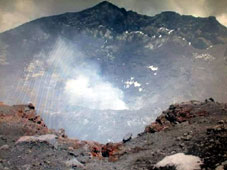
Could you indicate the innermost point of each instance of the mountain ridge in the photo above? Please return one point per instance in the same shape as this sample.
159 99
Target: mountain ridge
106 7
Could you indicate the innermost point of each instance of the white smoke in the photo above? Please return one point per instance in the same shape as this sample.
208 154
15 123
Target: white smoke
94 94
83 84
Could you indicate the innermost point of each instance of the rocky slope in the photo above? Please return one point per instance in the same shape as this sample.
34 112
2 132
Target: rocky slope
193 128
88 65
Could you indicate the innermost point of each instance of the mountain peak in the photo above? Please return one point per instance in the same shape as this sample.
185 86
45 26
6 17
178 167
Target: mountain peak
105 4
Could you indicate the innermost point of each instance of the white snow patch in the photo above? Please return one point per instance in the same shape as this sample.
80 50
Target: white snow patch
139 32
129 83
159 45
170 31
153 68
166 30
209 47
140 89
132 82
181 162
162 28
205 56
136 84
127 86
150 46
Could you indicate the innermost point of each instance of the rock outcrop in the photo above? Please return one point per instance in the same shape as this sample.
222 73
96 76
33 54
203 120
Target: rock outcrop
195 132
178 113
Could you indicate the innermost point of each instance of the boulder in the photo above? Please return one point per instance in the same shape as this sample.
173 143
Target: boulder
49 138
74 163
31 106
127 137
4 147
181 162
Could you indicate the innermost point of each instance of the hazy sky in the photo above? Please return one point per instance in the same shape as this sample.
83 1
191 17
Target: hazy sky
16 12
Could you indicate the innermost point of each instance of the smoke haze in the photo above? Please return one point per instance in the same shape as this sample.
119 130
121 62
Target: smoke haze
69 76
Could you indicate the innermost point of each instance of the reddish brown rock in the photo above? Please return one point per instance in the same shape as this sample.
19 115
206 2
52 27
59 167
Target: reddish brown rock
176 113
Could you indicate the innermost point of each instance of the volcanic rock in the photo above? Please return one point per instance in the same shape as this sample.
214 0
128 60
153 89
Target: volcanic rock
3 147
49 138
74 163
181 162
127 137
176 114
201 135
163 58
